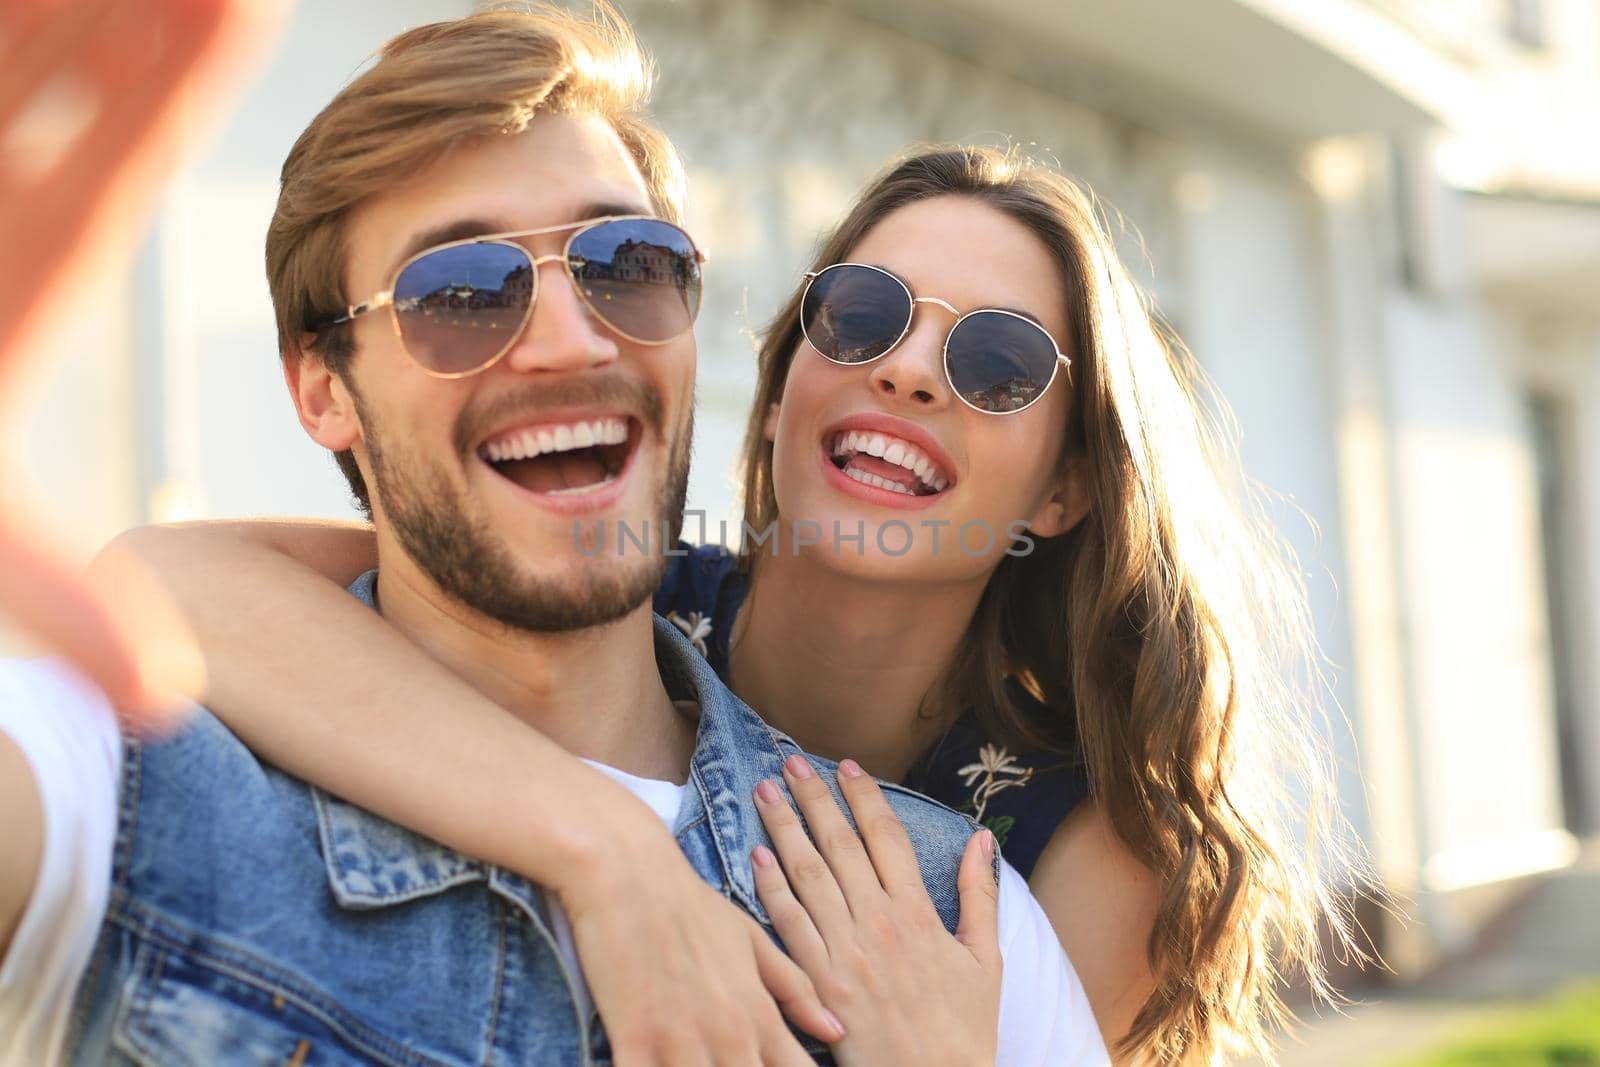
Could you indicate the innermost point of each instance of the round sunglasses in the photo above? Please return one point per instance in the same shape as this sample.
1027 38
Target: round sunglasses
998 362
458 307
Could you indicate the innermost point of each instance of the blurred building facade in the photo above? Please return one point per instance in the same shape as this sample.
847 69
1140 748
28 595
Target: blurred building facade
1377 225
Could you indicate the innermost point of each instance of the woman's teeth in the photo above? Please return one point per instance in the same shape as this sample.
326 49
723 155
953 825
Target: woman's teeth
892 450
881 483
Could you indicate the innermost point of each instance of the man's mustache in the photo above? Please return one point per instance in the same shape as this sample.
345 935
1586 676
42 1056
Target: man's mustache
527 402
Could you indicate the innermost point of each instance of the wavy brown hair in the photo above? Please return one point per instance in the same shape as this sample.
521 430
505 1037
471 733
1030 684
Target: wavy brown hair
1168 633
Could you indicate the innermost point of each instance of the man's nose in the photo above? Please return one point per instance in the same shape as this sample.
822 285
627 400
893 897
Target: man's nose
563 333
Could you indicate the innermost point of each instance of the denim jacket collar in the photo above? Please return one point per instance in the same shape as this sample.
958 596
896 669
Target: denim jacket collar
734 751
373 863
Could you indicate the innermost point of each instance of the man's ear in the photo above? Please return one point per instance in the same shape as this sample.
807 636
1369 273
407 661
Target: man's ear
1067 503
769 429
322 401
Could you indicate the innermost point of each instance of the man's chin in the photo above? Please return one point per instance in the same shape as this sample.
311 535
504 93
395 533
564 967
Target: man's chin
539 582
504 553
577 594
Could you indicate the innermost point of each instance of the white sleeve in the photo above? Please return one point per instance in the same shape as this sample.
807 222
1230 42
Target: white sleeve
68 734
1044 1014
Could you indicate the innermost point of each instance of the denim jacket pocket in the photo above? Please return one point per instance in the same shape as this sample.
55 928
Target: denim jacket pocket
181 1011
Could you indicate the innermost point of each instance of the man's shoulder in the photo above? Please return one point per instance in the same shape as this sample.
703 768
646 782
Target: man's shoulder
936 829
938 834
914 809
200 772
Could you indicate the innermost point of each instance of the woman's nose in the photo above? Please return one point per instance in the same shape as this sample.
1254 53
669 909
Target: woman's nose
913 371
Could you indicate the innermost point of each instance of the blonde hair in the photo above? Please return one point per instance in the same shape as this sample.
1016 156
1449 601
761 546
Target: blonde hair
1169 633
432 87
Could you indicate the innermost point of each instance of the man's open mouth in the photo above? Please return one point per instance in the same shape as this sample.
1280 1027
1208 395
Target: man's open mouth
886 462
563 458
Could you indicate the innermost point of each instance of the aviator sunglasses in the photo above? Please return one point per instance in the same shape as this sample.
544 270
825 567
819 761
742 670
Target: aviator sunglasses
997 361
458 307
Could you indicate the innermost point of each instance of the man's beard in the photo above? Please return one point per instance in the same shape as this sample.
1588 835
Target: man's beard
433 519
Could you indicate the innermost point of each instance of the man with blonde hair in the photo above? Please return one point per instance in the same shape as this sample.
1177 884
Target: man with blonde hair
475 254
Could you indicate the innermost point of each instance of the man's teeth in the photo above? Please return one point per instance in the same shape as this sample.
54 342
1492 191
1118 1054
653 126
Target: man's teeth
591 487
890 449
527 444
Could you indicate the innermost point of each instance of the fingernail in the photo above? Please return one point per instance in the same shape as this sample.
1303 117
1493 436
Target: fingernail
987 844
798 766
850 768
768 792
838 1027
764 857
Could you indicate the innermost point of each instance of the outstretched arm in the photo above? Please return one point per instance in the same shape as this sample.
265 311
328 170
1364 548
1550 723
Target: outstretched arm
97 103
21 838
320 685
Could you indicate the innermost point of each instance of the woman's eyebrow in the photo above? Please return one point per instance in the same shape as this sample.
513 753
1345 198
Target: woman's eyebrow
1024 312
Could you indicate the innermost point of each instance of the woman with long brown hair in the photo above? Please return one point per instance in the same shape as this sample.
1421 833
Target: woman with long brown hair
1012 562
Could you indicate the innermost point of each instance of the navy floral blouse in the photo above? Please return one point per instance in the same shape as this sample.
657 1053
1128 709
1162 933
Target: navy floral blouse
1022 797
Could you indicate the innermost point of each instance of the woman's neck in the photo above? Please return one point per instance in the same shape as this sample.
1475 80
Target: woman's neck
844 665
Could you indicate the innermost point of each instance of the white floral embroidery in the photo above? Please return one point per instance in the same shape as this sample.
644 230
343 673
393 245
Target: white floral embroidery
998 770
697 627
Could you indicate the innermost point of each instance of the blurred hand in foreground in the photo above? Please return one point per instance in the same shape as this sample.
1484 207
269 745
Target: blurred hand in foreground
99 99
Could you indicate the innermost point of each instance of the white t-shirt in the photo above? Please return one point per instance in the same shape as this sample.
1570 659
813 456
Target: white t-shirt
69 736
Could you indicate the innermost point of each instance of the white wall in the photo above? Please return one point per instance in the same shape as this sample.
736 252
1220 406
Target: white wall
1472 593
238 449
1554 347
1583 566
1255 315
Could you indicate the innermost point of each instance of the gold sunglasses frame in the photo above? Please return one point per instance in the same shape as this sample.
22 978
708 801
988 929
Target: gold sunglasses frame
1062 360
385 298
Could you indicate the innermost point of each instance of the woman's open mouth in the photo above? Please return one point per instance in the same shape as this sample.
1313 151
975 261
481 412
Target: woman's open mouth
563 458
885 461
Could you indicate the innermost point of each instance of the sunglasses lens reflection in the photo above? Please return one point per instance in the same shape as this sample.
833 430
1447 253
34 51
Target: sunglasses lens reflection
999 362
639 275
852 314
460 306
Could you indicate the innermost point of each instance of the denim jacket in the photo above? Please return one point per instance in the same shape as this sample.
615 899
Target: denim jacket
255 919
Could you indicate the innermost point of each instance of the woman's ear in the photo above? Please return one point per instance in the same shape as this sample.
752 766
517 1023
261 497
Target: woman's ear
769 429
323 402
1067 503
